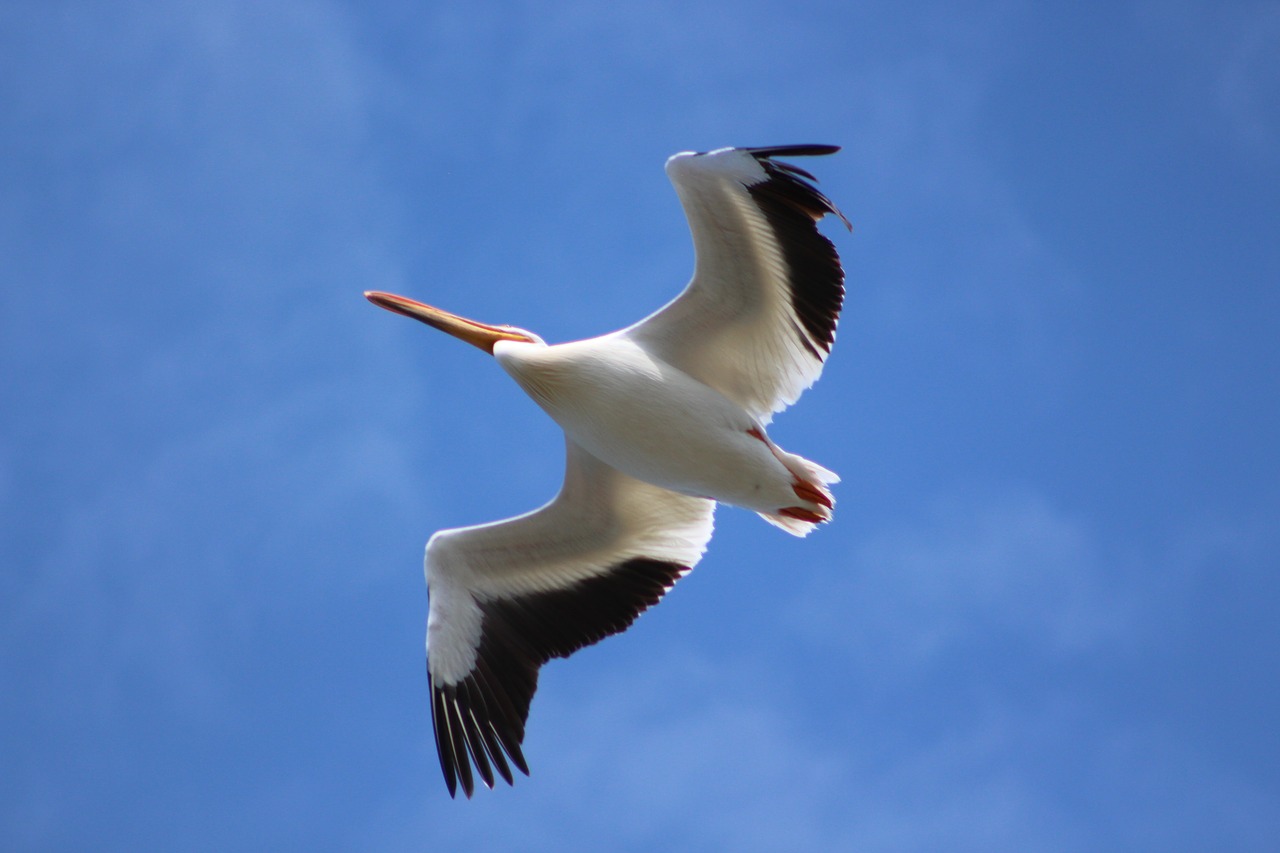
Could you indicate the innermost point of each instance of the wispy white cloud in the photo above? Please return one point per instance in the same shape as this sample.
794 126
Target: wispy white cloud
156 568
702 755
189 188
976 563
723 749
673 756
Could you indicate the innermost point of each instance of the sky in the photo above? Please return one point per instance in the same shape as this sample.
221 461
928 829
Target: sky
1043 619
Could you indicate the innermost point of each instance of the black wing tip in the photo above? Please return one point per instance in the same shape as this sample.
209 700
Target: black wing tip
470 735
800 178
810 150
479 720
793 207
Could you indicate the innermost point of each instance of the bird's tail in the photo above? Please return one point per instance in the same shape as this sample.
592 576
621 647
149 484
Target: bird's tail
815 502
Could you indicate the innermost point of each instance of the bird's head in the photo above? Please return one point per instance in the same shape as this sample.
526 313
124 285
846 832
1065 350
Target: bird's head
473 332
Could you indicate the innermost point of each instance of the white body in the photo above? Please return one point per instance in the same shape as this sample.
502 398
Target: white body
637 413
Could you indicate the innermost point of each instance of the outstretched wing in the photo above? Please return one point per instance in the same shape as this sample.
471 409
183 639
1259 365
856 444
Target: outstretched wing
506 597
758 318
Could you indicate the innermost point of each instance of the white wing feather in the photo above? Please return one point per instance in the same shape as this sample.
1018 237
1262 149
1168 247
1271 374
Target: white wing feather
758 318
507 596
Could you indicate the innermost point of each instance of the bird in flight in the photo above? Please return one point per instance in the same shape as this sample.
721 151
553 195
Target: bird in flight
662 420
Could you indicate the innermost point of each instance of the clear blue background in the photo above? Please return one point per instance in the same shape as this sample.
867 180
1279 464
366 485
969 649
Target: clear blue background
1045 617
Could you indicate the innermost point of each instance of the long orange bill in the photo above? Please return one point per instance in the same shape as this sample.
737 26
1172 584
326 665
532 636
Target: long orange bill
478 334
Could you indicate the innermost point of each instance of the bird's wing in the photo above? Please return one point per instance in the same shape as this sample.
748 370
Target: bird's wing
758 318
508 596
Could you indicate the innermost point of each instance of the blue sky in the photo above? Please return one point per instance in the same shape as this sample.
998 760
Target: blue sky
1044 618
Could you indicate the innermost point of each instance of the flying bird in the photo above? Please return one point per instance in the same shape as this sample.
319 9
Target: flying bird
662 420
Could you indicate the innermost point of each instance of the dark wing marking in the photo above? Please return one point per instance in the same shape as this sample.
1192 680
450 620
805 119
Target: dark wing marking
793 205
480 720
758 318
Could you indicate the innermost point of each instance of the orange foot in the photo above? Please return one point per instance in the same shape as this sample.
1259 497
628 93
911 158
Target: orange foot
802 514
807 492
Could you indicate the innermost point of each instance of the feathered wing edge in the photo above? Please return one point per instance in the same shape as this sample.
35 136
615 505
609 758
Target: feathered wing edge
516 593
480 720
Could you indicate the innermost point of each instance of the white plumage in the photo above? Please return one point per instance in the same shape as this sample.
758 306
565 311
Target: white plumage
661 420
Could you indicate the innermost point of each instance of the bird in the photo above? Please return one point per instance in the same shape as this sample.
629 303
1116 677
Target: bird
662 420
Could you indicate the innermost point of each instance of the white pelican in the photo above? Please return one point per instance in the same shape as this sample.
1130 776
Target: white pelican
661 420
